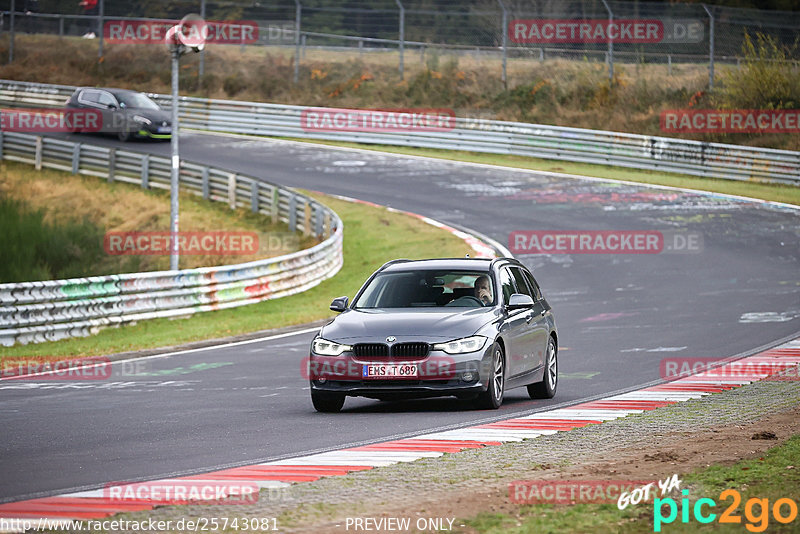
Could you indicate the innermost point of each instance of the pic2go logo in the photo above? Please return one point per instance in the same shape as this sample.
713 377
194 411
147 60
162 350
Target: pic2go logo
784 511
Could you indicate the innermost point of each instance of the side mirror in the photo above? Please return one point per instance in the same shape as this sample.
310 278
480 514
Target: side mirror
518 300
339 304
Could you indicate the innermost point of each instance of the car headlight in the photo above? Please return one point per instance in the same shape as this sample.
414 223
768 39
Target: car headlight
463 345
328 348
143 120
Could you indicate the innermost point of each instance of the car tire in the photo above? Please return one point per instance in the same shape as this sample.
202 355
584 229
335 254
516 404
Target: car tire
546 389
124 136
327 401
492 398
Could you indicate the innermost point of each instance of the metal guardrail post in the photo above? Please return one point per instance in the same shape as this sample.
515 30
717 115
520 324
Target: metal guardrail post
317 221
60 27
274 209
610 46
112 164
710 47
402 35
38 154
254 196
204 179
1 145
298 9
306 217
232 190
76 158
145 174
293 213
505 41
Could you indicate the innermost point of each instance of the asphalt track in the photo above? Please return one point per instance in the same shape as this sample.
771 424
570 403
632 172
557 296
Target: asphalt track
618 317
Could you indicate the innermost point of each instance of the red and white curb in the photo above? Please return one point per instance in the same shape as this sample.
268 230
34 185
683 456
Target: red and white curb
96 504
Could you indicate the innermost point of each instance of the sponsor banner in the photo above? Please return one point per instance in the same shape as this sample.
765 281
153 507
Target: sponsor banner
189 243
155 32
183 492
50 120
674 368
730 121
377 120
574 491
93 368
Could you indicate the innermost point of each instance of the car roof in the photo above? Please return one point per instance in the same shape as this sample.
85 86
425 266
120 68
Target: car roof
113 90
472 264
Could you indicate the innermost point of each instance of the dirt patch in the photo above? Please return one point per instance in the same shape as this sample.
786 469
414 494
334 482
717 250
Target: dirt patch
670 453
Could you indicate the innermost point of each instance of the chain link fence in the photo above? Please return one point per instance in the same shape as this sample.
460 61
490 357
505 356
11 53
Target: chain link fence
504 33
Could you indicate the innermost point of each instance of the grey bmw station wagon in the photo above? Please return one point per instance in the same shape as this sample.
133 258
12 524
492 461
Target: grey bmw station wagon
470 328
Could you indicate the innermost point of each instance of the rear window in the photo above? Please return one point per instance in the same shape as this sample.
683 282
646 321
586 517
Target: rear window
428 289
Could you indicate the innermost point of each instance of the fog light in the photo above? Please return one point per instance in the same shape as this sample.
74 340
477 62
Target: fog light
321 380
468 376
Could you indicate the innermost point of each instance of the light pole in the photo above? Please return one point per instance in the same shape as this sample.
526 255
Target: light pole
189 34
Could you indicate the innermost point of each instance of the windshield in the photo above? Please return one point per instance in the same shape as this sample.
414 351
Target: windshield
136 100
428 289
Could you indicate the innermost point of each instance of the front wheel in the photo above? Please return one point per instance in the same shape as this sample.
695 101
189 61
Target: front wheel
546 389
327 401
492 398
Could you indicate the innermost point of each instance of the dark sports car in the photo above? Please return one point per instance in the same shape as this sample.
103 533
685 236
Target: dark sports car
472 328
125 113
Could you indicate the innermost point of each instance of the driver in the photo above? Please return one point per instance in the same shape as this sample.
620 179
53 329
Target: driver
483 290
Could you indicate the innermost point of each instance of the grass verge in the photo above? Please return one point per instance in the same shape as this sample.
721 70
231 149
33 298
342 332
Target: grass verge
765 191
365 249
772 477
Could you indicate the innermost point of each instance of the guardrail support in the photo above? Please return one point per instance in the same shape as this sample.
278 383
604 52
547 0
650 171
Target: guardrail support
710 47
146 172
293 213
112 164
1 145
254 196
317 221
37 158
232 190
306 218
76 158
275 207
205 183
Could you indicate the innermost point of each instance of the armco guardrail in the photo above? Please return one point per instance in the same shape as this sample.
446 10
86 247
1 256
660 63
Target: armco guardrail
33 312
712 160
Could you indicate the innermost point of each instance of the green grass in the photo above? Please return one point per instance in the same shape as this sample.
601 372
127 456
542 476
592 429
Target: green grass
775 192
769 477
366 248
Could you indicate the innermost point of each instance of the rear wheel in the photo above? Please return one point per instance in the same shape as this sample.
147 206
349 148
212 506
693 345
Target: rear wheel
546 389
492 398
327 401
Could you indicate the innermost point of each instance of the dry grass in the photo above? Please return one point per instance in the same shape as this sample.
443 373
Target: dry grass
124 208
556 91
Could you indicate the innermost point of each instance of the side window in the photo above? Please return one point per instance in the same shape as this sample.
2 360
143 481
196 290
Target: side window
89 97
522 286
106 99
506 284
532 282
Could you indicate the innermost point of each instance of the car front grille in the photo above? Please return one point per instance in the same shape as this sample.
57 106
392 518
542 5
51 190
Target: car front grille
398 350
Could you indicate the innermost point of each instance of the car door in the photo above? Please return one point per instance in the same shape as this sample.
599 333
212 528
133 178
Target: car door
109 107
535 320
514 328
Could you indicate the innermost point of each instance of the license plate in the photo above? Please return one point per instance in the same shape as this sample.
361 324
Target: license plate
390 371
164 129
